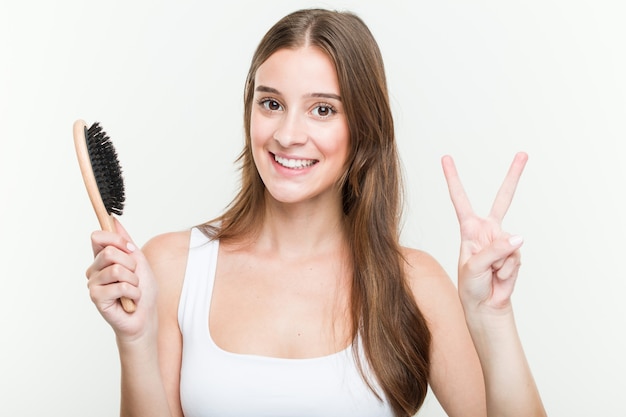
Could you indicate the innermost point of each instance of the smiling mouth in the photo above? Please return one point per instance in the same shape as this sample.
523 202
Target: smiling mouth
295 163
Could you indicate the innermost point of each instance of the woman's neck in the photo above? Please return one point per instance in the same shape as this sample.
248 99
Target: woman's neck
303 229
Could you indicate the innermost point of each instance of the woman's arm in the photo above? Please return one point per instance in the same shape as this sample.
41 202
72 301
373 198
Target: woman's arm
168 256
456 377
120 269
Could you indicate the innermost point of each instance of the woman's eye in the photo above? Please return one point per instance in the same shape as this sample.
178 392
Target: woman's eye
323 111
271 105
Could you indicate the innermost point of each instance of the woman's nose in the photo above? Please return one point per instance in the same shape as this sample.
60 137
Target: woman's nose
291 130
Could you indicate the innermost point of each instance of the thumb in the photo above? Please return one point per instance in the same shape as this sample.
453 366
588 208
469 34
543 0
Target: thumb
499 250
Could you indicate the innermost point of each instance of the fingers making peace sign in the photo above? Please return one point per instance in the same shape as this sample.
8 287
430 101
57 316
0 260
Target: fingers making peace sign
489 258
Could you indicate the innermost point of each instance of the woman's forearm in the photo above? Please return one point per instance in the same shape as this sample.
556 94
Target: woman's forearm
510 387
142 390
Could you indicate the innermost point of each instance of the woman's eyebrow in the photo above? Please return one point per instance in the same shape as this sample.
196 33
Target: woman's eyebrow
266 89
325 95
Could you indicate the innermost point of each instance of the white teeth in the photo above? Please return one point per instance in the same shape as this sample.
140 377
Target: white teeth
294 163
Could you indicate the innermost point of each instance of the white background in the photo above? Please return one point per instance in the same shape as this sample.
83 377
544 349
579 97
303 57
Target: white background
479 80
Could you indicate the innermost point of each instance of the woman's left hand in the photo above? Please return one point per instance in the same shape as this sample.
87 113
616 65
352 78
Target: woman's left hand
489 258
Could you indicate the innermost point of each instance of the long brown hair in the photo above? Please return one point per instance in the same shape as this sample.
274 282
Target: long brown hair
392 330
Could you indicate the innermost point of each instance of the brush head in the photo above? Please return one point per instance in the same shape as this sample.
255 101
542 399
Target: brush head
106 168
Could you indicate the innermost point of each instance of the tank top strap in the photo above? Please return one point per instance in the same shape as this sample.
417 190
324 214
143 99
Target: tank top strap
197 289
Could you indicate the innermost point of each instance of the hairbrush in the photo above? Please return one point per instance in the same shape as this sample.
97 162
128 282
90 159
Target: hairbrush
103 179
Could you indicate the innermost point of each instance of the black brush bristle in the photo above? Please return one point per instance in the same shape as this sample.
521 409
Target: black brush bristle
106 169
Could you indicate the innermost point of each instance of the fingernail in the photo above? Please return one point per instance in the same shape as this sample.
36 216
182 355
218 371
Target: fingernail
130 247
516 240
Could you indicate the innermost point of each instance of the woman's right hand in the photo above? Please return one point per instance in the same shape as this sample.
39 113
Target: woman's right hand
120 270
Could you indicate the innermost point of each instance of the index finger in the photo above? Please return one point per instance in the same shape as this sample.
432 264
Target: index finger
460 201
100 239
505 194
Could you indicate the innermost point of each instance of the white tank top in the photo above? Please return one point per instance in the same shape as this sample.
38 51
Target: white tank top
215 382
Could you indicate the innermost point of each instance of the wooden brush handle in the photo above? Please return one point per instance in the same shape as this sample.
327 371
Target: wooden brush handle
106 221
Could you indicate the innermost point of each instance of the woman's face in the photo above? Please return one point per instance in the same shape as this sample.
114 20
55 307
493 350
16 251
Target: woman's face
300 135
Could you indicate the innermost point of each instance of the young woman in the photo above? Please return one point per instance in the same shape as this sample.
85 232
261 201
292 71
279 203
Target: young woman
299 299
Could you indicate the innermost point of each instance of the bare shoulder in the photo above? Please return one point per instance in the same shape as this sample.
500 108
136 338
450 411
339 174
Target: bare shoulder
424 271
167 247
420 264
432 288
167 255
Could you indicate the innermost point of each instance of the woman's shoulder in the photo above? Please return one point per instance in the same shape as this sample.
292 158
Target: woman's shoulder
167 254
420 265
430 284
168 245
